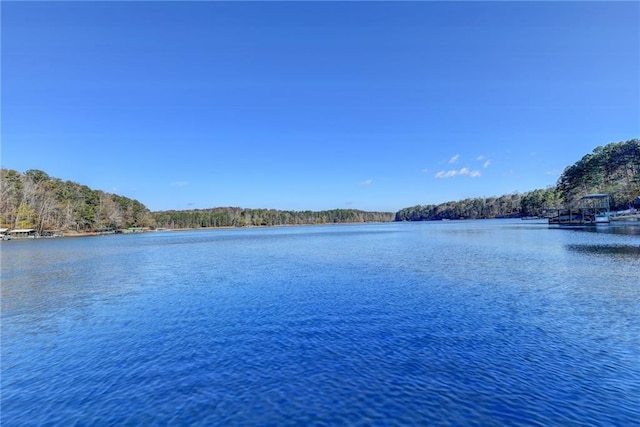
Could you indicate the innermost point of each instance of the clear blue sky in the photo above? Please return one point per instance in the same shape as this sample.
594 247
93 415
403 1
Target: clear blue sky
299 105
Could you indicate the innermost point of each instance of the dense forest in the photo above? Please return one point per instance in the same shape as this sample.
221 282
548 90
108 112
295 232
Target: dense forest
613 169
239 217
34 200
533 203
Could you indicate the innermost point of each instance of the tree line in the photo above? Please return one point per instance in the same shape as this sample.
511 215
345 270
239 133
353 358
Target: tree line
34 200
241 217
533 203
613 169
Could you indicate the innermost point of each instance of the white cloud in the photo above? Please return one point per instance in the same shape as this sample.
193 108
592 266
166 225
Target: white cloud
367 182
447 174
460 172
480 158
454 159
486 164
180 183
425 170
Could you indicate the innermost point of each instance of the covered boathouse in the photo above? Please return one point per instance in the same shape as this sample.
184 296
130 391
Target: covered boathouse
593 209
23 233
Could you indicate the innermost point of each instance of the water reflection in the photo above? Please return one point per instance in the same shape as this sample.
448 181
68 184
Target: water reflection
623 250
620 229
43 279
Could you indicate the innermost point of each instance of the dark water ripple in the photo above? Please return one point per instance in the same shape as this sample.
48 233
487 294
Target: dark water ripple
480 323
621 250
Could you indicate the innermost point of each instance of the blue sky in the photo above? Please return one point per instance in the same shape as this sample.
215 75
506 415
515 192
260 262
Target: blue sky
315 105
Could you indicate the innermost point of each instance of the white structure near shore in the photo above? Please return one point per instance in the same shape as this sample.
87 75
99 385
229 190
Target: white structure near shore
24 233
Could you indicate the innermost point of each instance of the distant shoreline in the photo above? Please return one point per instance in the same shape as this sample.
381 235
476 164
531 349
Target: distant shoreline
166 230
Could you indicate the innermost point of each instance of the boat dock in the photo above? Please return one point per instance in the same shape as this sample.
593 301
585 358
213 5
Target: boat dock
593 210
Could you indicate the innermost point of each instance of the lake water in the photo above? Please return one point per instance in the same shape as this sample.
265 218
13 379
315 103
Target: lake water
438 323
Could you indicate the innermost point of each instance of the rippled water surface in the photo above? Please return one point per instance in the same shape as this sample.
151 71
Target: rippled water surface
441 323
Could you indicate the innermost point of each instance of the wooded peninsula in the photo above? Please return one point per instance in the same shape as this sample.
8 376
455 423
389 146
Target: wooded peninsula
34 200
